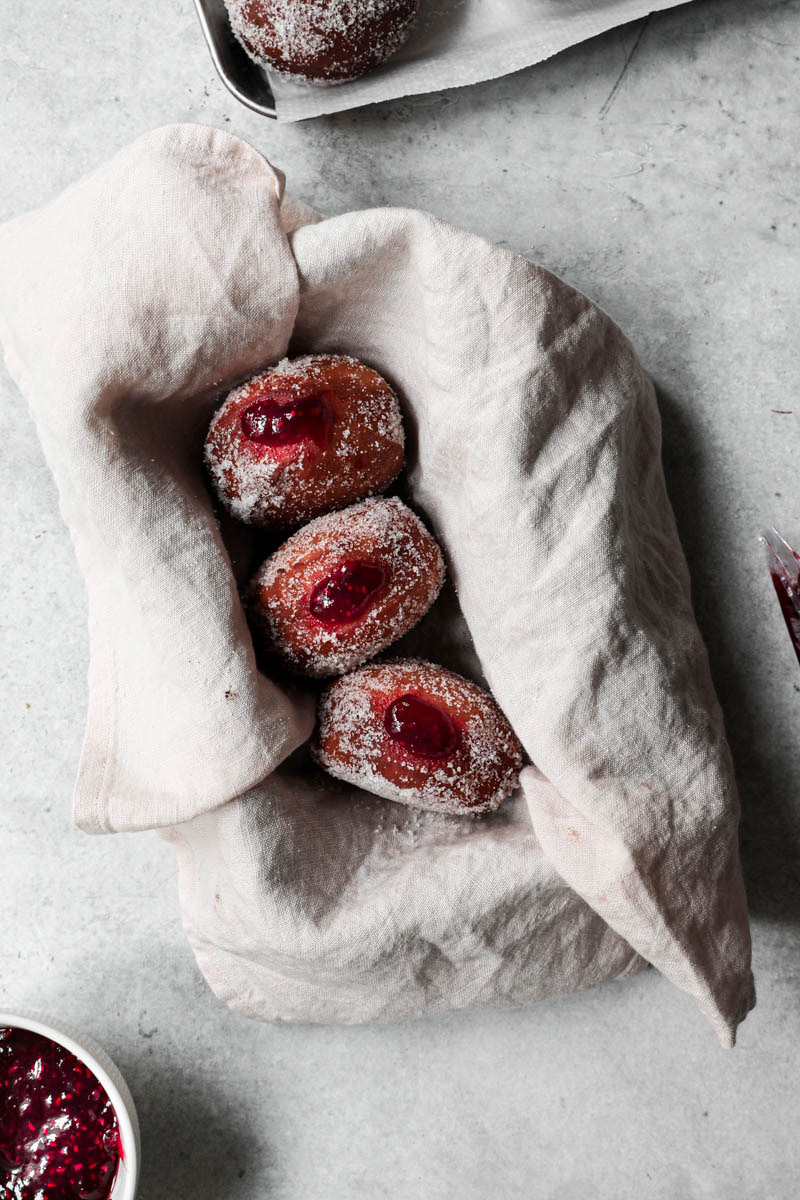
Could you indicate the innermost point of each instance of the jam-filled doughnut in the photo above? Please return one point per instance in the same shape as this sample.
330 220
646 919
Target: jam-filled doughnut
322 41
344 587
305 437
411 731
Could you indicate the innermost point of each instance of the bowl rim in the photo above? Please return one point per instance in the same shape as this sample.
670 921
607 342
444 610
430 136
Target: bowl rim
102 1066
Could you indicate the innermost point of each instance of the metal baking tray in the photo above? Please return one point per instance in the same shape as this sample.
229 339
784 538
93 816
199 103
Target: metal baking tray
241 76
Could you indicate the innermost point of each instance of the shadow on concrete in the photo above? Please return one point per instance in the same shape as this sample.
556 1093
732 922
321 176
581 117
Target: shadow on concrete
194 1143
770 832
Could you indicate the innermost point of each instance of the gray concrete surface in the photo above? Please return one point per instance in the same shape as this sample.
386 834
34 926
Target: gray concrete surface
663 183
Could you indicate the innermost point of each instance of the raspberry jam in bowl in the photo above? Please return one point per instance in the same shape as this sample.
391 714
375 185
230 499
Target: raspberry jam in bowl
68 1128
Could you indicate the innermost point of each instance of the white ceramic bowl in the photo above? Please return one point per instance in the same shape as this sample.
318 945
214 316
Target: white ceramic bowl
108 1074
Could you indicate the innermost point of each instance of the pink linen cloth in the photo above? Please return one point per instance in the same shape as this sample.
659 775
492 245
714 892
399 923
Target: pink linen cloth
127 307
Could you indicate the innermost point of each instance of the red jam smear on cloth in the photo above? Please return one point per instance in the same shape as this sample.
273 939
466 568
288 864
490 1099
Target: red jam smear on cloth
347 592
59 1138
421 727
283 419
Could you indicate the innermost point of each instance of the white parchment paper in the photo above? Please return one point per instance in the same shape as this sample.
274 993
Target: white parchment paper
457 42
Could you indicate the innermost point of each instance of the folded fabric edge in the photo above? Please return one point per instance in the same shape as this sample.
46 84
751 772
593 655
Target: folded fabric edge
237 993
543 801
90 802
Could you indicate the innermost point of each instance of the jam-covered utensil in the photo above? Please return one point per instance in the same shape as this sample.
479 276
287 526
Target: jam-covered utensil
784 568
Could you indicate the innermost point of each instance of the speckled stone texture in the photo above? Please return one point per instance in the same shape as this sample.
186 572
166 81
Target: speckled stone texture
655 169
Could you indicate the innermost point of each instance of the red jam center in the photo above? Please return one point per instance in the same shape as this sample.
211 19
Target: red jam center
422 727
347 592
282 419
59 1138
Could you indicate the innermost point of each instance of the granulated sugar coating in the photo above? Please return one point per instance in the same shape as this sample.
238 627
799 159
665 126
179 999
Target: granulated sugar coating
322 41
481 761
308 436
379 542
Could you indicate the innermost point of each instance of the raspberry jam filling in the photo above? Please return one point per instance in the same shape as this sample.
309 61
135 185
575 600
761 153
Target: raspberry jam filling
282 419
421 727
59 1138
347 592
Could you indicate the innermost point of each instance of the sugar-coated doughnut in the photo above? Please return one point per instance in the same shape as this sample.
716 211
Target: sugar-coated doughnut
345 587
322 41
411 731
307 436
